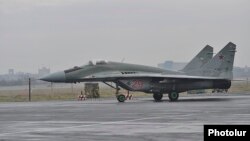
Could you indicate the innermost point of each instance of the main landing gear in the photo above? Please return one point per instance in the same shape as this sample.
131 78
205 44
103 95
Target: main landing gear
173 96
157 96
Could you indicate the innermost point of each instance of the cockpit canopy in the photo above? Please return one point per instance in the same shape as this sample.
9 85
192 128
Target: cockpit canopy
75 68
90 63
97 62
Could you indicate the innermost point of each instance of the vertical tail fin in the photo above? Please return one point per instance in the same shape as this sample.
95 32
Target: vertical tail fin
199 60
222 63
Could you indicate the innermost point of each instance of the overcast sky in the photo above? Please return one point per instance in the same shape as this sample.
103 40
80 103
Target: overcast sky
63 33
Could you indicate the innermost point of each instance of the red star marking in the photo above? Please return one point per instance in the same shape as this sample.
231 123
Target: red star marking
221 57
137 84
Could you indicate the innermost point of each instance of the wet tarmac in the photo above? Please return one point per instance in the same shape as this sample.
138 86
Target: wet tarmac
135 120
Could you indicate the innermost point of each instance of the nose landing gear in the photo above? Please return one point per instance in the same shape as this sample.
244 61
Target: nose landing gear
121 98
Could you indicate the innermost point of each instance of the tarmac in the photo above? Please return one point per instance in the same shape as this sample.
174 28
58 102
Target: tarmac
140 119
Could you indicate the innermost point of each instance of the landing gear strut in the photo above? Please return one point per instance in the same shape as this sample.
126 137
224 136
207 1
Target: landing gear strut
173 96
157 96
120 97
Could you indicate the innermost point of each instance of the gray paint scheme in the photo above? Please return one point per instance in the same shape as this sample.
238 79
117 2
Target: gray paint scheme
221 65
199 60
215 74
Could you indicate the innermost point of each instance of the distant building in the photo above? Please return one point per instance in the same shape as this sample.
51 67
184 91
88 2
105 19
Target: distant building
241 72
43 71
171 65
21 78
166 65
246 69
11 72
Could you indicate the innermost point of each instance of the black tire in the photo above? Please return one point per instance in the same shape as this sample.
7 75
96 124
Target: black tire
157 96
121 98
173 96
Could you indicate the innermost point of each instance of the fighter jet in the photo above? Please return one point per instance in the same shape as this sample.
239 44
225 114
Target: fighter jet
215 74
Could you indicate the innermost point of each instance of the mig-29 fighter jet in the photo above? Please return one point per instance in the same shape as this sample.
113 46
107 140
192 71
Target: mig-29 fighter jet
215 74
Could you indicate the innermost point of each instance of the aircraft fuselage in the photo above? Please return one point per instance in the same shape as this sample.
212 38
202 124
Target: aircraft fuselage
126 76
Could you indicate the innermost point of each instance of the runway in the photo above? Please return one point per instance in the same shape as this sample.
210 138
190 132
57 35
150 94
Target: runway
136 120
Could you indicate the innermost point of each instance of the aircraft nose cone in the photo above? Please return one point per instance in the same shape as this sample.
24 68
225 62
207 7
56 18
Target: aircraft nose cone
55 77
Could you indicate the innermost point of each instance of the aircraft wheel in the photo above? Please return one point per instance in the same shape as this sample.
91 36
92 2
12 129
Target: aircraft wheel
173 96
121 98
157 96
